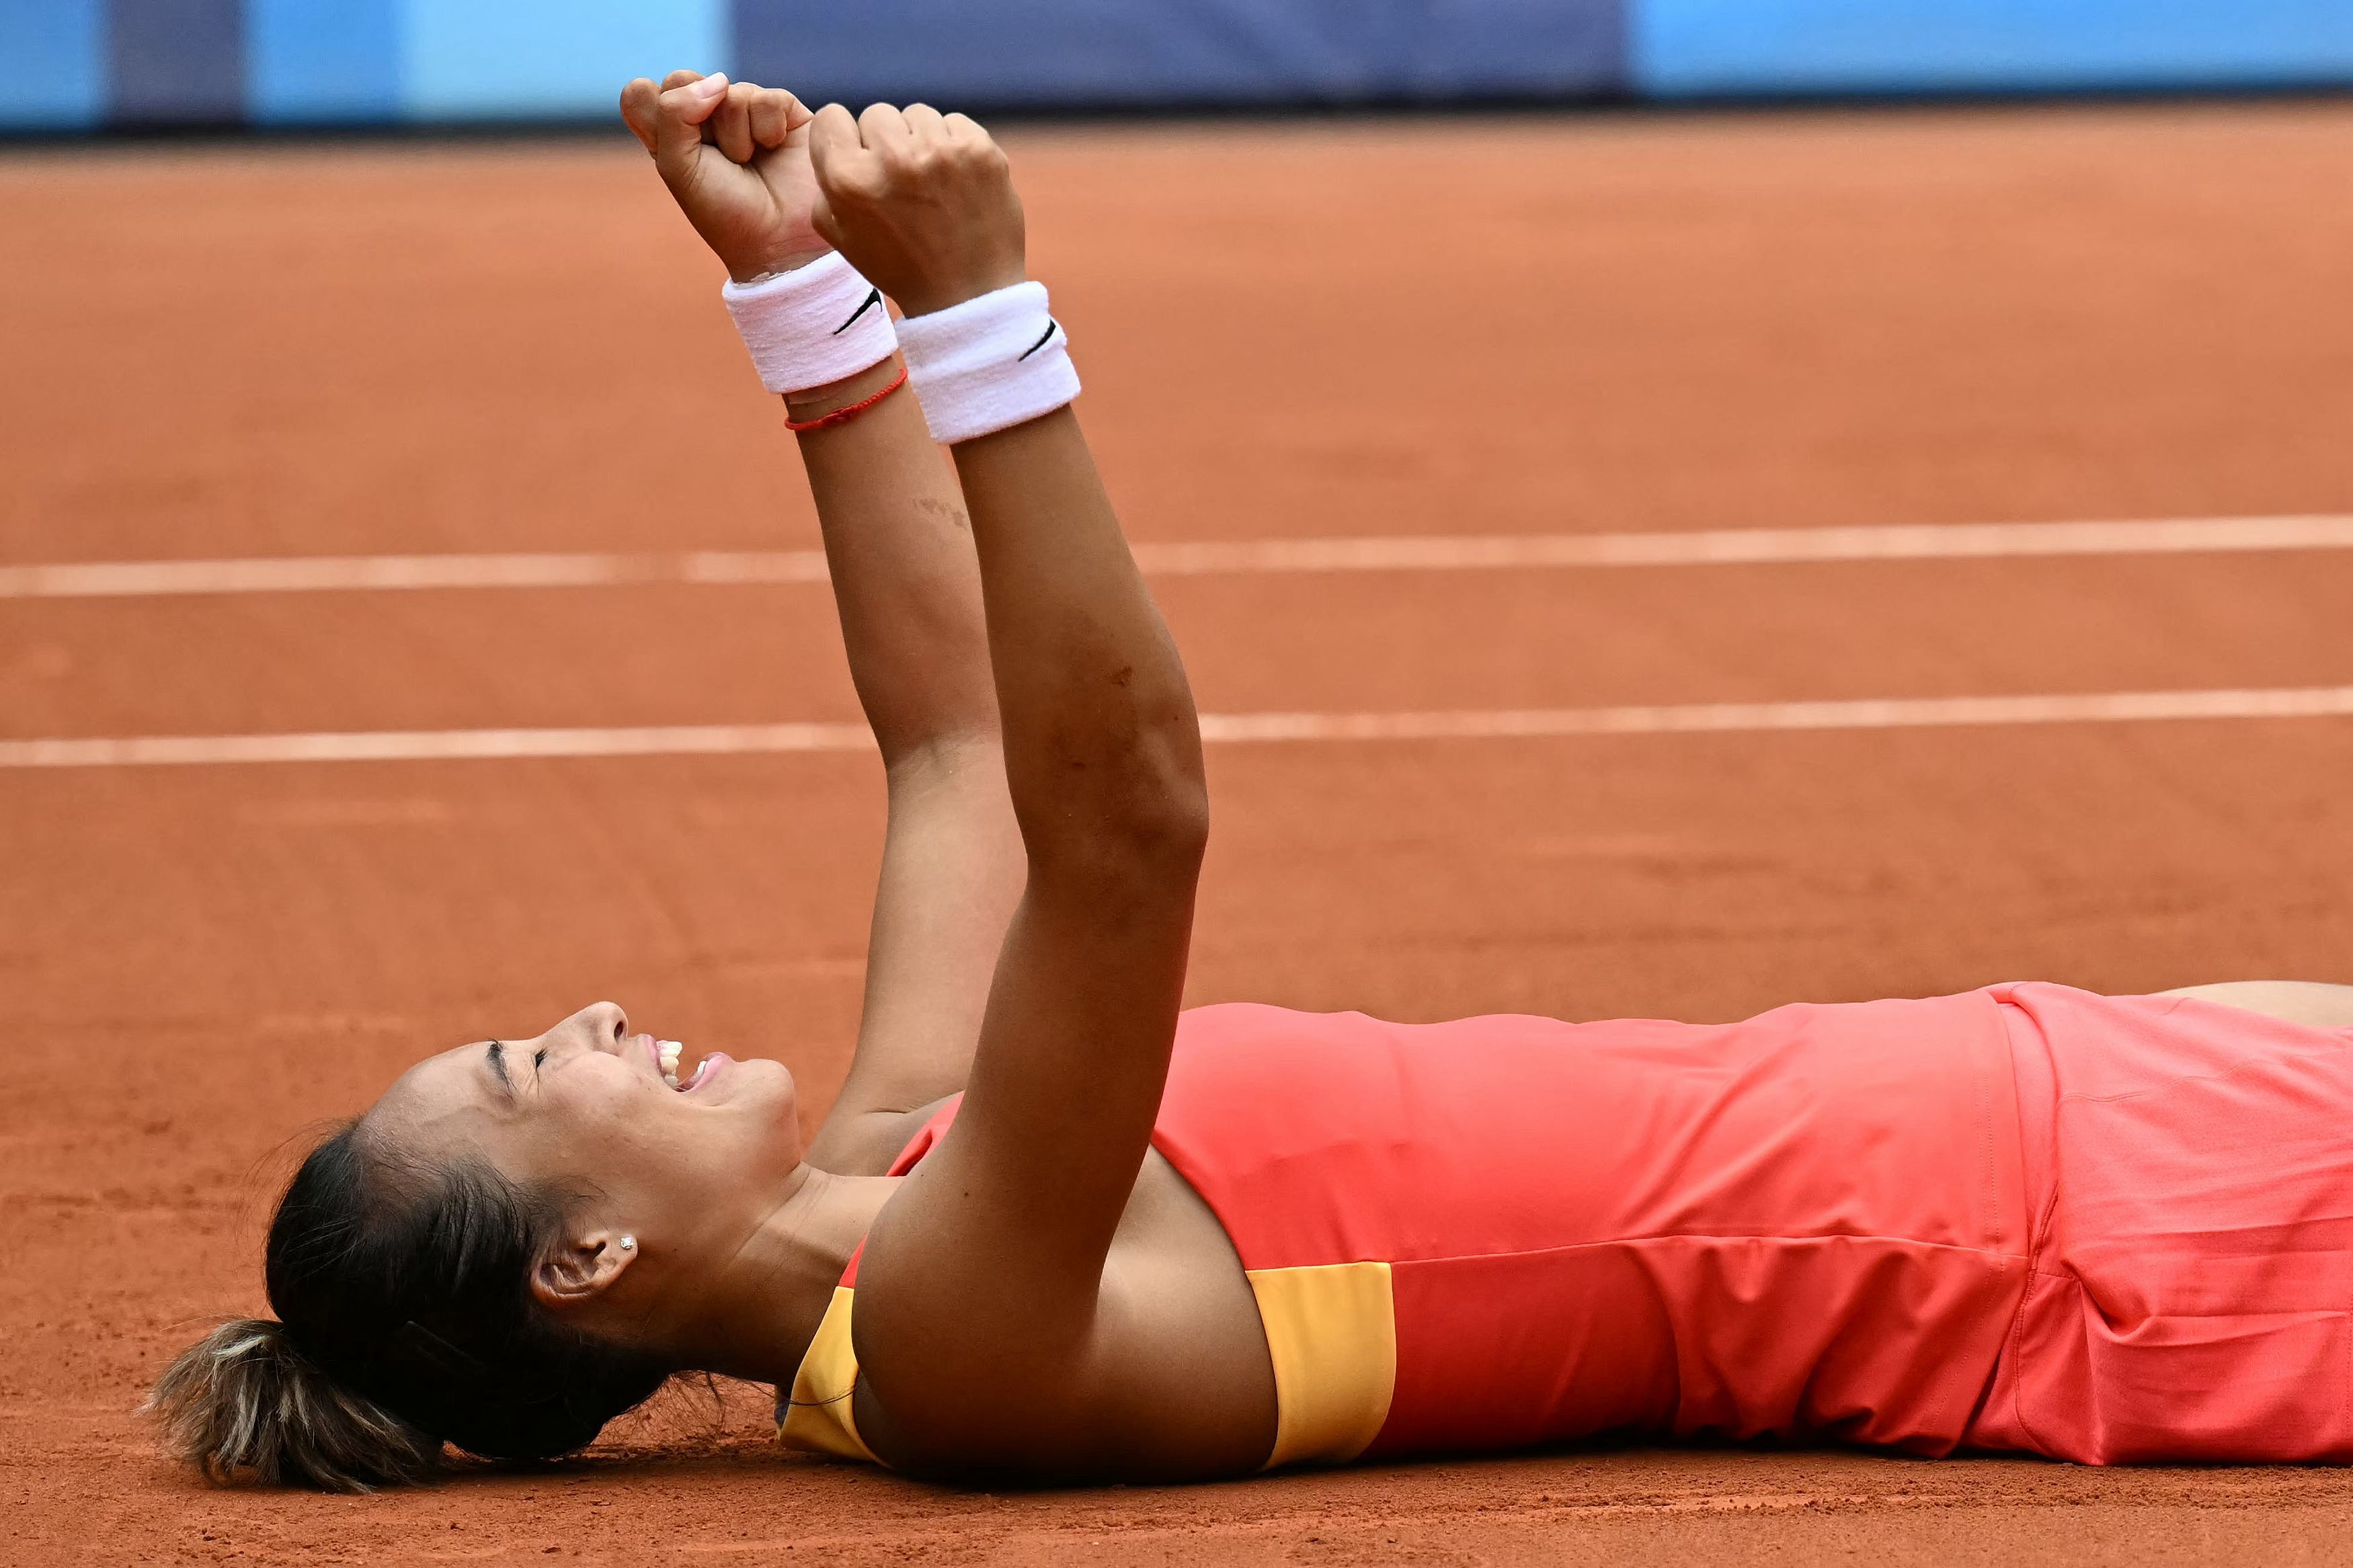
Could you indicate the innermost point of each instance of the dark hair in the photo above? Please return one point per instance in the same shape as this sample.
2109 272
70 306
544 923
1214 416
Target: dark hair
405 1322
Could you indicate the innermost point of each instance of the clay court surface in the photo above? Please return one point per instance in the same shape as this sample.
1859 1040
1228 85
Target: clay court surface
1407 328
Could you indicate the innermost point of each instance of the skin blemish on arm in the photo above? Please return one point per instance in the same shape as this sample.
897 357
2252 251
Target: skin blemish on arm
938 508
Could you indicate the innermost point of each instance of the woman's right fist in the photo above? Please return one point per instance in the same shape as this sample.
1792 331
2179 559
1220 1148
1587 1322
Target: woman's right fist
736 158
919 201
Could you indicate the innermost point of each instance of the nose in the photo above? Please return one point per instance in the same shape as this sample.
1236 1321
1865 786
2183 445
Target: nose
601 1028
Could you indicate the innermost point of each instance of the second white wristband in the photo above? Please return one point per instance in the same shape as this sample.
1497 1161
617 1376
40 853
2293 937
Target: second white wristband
989 363
815 324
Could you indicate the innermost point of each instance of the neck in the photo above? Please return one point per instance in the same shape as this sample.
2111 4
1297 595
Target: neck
755 1311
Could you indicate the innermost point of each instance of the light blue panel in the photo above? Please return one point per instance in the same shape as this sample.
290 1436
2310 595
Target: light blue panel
499 59
322 61
52 64
1683 49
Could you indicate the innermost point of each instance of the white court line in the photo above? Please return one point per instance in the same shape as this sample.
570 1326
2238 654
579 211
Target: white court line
318 574
1704 718
1715 547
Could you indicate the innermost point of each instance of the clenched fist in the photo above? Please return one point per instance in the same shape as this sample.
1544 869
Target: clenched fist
919 201
736 157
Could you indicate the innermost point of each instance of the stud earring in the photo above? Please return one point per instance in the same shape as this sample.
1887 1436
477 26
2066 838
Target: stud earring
628 1243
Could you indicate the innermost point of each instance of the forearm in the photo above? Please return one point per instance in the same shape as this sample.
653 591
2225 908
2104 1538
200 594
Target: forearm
906 582
908 589
1103 749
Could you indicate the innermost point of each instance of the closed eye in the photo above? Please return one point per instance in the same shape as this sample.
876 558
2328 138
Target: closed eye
538 1060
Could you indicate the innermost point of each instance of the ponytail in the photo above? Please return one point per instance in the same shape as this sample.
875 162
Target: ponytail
244 1399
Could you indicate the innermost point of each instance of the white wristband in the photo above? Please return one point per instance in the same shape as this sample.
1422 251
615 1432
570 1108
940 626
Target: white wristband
815 324
989 363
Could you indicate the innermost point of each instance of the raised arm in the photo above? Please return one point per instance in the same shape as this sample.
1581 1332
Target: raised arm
907 586
980 1299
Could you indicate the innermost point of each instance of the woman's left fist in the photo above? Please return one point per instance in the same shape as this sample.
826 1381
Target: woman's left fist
919 201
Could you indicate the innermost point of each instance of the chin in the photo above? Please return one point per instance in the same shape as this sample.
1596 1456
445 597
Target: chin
769 1087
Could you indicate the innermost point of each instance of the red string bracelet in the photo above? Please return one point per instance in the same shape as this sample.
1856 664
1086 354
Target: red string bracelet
845 415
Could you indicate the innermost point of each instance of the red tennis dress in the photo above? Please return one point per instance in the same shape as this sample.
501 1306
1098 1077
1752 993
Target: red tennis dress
2026 1217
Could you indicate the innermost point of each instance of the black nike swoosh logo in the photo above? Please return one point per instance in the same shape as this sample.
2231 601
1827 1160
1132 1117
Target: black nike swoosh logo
874 297
1052 326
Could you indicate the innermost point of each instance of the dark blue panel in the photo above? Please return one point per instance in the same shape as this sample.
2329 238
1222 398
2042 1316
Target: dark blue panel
1175 53
177 62
323 60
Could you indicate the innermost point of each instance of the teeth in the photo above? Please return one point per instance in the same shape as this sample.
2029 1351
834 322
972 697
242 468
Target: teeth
670 1051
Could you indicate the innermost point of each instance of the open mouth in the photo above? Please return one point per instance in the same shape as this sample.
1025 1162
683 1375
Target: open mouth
667 1054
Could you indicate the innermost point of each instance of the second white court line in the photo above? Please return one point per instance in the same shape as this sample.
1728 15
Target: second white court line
1417 552
1218 729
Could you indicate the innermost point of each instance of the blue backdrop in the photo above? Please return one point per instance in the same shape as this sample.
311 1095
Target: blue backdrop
69 65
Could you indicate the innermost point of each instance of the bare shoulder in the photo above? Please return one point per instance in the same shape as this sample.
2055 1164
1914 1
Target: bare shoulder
2306 1002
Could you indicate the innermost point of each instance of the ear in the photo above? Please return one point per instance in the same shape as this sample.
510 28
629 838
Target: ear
579 1269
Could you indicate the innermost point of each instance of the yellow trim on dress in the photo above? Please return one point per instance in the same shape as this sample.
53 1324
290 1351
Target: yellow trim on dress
816 1417
1332 1333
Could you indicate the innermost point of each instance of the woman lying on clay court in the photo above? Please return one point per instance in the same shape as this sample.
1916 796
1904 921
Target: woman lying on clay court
1056 1230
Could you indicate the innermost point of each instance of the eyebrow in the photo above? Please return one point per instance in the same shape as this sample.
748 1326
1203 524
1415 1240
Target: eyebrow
497 1057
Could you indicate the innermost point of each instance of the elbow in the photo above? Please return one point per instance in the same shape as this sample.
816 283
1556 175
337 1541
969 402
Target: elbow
1155 828
1137 859
1176 828
1164 834
1163 812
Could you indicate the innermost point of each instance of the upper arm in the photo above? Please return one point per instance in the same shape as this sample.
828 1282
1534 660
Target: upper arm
981 1280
